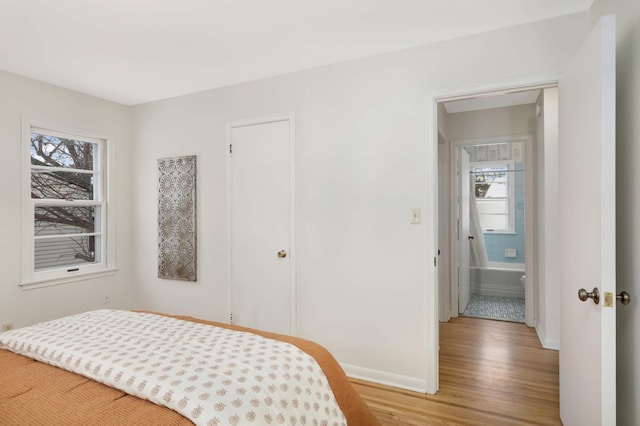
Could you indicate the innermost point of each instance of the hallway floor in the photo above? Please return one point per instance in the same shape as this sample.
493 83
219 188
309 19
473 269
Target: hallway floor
491 373
498 308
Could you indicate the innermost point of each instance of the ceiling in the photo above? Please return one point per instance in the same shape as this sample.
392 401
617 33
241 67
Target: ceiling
137 51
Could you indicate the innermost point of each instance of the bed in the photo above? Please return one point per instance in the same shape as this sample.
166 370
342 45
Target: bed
111 367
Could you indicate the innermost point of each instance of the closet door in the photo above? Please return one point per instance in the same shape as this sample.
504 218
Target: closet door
261 267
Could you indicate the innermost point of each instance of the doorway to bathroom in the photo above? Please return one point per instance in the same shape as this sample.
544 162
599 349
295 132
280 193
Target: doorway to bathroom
489 208
491 172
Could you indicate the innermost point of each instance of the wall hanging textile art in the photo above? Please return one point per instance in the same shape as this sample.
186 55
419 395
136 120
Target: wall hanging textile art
177 257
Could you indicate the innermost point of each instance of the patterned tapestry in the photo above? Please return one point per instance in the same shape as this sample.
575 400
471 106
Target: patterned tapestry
177 218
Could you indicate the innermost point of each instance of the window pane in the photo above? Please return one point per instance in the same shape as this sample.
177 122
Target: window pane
493 206
497 189
51 151
65 220
491 180
60 185
65 252
495 222
493 189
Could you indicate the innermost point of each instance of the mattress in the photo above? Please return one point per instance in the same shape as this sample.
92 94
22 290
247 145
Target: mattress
34 392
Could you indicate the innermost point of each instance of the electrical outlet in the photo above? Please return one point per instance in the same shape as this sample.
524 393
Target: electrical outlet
106 298
7 327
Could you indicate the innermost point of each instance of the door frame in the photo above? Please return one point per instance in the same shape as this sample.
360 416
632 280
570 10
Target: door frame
289 117
462 248
530 251
431 221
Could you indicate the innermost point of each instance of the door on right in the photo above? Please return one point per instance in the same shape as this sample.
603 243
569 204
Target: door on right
587 231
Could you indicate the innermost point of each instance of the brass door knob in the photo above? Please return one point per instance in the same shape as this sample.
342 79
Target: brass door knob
282 254
584 295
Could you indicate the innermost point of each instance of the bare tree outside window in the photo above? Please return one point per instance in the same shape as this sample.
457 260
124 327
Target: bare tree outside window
66 213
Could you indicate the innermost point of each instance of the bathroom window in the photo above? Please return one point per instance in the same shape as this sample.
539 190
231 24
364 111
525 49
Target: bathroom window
494 190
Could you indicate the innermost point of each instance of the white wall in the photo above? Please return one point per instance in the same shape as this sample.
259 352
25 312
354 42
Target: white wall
494 122
628 200
21 96
361 165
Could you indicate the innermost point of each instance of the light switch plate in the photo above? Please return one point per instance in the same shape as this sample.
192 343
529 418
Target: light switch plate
415 216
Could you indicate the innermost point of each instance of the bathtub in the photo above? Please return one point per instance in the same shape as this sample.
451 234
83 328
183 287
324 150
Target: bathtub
498 279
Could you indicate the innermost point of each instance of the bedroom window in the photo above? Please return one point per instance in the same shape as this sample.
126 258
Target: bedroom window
494 190
66 228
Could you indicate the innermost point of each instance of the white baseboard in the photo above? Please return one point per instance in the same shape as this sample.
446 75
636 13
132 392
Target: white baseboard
545 342
385 378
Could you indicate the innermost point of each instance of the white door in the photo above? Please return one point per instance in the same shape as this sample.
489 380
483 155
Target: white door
464 188
587 227
261 225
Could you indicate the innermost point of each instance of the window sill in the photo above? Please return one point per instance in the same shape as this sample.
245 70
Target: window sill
33 284
500 232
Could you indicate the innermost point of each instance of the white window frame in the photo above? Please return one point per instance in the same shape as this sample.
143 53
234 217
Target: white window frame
30 278
511 184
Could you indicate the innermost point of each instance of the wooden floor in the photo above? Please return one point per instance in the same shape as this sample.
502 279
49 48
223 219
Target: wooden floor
491 373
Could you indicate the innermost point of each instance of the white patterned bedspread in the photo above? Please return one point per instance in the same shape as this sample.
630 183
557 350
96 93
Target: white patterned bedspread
211 375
